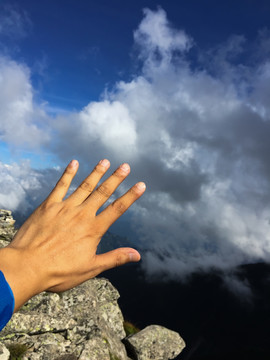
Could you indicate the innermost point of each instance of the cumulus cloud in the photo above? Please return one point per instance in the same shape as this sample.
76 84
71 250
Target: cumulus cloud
110 124
21 122
157 40
197 133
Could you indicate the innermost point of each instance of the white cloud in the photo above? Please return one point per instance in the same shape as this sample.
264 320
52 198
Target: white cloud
21 122
110 124
156 37
23 188
16 181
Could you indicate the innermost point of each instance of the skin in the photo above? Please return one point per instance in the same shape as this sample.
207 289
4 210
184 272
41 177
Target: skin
55 249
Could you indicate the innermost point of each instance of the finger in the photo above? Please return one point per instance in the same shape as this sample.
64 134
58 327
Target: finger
89 184
108 216
116 258
63 184
107 188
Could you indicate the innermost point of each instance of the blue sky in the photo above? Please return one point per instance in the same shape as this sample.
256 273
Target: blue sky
75 49
179 89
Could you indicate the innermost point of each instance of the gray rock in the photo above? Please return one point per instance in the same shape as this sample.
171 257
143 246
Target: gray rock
78 321
6 219
7 230
155 342
4 353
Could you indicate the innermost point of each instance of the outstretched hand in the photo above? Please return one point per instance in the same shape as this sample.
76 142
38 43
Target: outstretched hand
55 249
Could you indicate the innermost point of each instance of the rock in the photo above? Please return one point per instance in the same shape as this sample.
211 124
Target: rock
4 353
7 230
155 342
6 219
82 321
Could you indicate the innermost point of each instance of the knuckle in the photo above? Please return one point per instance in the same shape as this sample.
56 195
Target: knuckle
45 206
47 209
118 260
119 174
86 186
104 190
69 170
100 169
62 183
134 191
119 207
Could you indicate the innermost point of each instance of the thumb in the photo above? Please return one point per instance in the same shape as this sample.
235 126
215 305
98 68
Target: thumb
117 257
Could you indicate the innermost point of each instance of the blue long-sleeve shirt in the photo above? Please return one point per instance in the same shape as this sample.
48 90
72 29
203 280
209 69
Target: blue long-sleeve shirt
6 301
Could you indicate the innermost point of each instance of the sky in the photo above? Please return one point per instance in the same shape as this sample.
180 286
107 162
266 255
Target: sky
178 89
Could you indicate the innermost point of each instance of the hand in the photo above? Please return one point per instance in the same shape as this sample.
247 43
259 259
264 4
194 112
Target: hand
55 249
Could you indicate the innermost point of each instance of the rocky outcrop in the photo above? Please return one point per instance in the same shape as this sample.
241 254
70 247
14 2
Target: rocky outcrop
84 323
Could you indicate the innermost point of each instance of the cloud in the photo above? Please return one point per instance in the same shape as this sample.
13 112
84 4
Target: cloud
196 131
157 40
21 122
239 287
23 188
14 22
110 124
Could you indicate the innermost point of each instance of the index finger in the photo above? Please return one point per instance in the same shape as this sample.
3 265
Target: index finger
63 184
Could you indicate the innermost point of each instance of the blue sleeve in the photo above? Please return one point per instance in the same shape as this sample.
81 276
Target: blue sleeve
6 302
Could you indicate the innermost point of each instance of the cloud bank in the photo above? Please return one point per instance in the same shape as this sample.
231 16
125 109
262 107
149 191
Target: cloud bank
193 123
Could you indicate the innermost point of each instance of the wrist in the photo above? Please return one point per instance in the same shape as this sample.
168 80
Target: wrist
21 276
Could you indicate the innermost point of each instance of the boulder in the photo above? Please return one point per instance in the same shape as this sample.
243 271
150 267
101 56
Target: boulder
154 342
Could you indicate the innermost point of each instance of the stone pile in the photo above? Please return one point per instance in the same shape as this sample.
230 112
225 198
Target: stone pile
84 323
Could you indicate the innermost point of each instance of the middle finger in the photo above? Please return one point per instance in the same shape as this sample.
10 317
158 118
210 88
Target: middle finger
89 184
107 188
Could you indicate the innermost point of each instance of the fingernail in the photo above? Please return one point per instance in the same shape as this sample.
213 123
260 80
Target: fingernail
125 167
141 185
104 163
73 163
134 256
